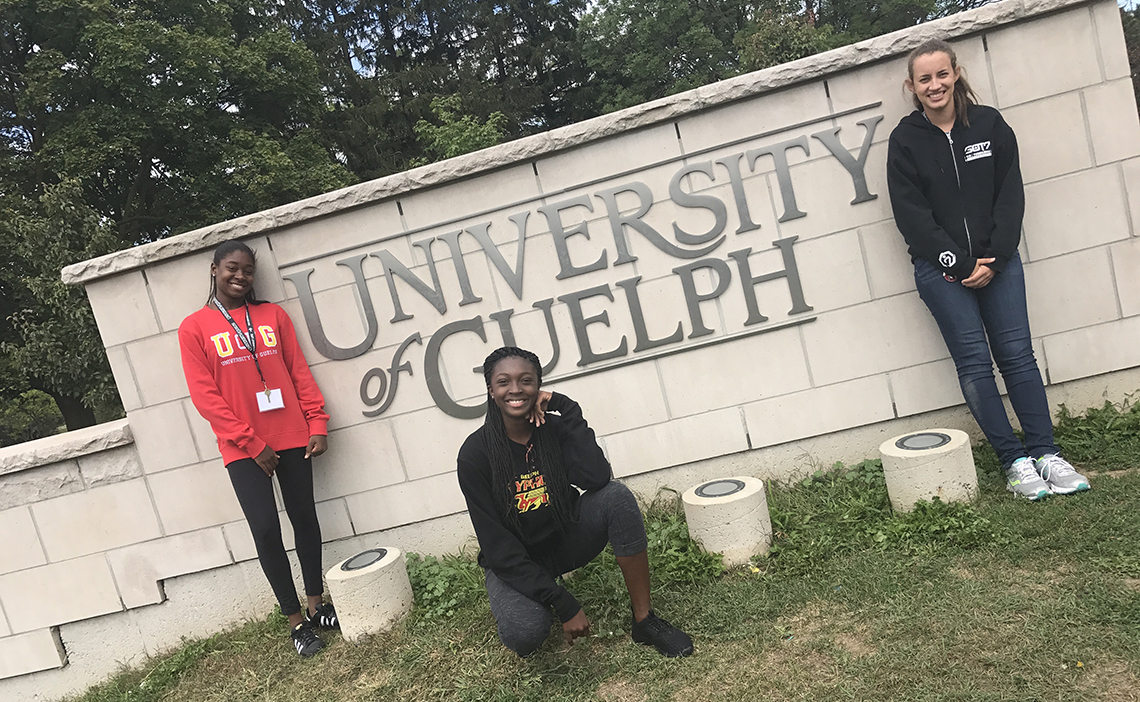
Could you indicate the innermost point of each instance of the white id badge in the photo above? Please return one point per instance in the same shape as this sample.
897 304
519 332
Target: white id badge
271 401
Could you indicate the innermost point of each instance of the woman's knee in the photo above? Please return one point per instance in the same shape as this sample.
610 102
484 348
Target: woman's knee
524 636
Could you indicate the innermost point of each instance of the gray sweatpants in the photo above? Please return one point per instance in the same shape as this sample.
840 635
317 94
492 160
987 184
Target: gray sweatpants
609 515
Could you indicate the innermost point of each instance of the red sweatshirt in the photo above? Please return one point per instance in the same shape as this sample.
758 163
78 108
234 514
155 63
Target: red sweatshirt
224 382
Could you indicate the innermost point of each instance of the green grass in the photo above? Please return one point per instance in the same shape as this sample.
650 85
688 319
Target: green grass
999 600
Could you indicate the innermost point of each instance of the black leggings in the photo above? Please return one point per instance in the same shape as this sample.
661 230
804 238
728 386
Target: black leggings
254 491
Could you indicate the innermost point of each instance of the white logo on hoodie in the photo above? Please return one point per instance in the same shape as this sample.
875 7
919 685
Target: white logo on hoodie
947 259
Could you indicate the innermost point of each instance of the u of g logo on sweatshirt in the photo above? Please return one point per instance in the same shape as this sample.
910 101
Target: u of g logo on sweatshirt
225 347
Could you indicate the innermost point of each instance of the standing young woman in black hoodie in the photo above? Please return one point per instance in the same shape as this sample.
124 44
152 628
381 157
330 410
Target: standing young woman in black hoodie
519 473
957 196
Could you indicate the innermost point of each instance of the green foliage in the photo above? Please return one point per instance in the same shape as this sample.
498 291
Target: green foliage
674 558
457 133
1130 18
158 679
1107 437
772 38
441 585
847 509
31 415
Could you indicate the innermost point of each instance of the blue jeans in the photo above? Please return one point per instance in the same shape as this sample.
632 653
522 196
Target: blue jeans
967 317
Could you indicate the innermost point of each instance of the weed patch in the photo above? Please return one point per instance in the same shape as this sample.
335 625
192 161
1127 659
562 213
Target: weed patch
1104 438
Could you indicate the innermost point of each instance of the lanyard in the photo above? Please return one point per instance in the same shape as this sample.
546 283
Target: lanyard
248 339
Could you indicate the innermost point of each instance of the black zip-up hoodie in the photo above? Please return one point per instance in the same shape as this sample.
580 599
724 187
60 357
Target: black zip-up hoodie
524 558
956 203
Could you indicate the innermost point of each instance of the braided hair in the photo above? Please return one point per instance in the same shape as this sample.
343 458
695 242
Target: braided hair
225 249
544 443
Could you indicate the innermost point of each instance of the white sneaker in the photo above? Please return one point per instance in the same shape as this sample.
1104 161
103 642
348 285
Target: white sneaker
1022 479
1062 478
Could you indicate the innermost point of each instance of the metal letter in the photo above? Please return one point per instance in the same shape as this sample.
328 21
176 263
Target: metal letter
300 281
394 268
503 317
854 166
791 272
707 202
452 241
573 302
553 214
394 370
435 380
618 222
779 153
482 235
644 343
692 299
732 165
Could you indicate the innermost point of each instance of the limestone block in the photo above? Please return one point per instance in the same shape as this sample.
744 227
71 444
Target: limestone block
64 447
1053 308
194 497
776 112
100 647
676 442
617 400
1061 46
112 466
881 82
879 336
1074 212
729 516
594 160
124 377
122 308
371 590
935 463
140 568
819 411
925 387
328 235
22 548
748 370
340 382
96 520
405 503
36 484
832 271
1130 172
240 541
824 191
157 362
4 629
1126 272
204 439
31 653
1089 351
189 596
182 285
459 198
270 285
1110 39
58 593
360 458
1113 122
1050 147
163 437
889 268
429 440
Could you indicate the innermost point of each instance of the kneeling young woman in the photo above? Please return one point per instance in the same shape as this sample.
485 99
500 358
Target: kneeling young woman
518 473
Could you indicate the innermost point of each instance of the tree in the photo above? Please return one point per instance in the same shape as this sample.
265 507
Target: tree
457 133
124 122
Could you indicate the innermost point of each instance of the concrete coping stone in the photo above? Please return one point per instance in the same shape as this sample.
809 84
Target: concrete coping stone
64 447
521 150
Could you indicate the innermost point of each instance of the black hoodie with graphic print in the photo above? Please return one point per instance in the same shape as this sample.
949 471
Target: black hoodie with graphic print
960 198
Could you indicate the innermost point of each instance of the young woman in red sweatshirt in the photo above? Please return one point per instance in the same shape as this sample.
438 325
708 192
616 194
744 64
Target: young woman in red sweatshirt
249 379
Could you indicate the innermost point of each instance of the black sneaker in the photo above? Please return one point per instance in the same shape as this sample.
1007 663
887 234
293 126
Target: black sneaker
306 640
666 638
325 617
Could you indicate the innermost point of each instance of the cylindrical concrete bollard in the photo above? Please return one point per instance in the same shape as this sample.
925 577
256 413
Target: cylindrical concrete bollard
729 516
371 591
927 464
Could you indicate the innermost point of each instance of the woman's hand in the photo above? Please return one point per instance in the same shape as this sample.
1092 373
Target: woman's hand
538 412
267 460
318 444
579 625
981 276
